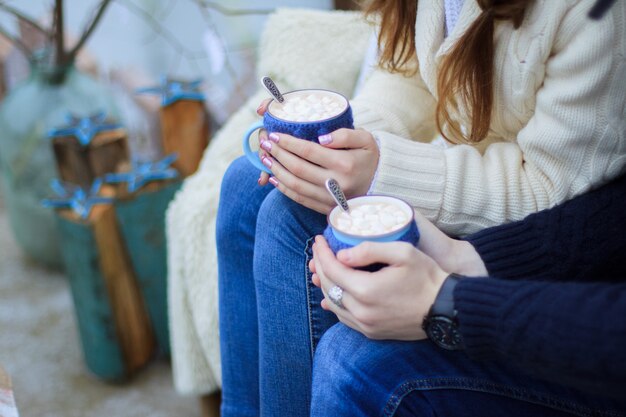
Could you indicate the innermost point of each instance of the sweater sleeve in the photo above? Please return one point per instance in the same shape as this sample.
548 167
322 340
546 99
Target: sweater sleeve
570 333
575 140
565 242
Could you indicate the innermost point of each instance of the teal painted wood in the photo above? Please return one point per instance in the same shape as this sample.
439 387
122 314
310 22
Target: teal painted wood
96 323
142 222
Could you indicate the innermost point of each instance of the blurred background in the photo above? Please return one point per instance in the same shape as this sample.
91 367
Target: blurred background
134 44
212 40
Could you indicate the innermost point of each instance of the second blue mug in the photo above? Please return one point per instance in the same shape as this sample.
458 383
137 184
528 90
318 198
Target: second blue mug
339 239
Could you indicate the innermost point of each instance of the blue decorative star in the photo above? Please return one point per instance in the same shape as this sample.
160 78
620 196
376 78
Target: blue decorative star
76 198
144 172
85 128
173 90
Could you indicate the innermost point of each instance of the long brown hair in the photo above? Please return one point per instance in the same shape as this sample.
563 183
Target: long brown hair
466 71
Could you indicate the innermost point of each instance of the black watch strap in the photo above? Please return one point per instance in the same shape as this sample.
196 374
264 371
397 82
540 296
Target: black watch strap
444 302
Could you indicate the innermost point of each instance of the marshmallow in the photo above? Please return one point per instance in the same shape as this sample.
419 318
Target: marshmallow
309 106
371 219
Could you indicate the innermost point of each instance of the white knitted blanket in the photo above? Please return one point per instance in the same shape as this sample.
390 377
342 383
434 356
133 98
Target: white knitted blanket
299 49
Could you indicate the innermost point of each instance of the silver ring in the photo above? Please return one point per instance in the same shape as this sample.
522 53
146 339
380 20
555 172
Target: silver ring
336 295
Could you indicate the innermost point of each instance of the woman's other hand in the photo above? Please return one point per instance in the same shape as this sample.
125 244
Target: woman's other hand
451 255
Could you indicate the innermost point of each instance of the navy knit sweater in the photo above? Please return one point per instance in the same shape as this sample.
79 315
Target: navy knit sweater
555 302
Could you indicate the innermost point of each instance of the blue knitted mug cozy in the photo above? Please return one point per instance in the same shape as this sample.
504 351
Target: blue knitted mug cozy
309 130
304 130
411 236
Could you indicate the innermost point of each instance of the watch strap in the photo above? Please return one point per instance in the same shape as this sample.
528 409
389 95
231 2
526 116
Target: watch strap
444 302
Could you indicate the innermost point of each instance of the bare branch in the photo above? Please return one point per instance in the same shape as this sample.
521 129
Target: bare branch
89 29
180 49
231 12
18 14
53 27
227 63
17 43
59 35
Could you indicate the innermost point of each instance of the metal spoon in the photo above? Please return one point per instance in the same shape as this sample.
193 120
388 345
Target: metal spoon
273 90
340 198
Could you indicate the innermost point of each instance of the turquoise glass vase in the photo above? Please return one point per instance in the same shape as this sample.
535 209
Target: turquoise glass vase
27 114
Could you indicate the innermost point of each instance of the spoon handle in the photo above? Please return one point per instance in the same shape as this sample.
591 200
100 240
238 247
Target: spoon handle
273 90
340 198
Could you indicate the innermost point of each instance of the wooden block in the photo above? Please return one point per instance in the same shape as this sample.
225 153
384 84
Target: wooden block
185 129
78 164
115 330
96 322
210 404
142 223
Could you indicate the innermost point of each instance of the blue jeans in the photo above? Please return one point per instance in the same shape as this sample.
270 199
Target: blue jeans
271 322
270 318
359 377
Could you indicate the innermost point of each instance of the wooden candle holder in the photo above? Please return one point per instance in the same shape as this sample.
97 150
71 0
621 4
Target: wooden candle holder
115 330
185 131
81 164
185 122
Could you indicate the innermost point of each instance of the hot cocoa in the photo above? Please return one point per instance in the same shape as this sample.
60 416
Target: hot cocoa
309 106
379 218
372 219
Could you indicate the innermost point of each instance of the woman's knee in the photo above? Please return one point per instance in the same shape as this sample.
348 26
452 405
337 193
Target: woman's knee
239 179
282 220
240 198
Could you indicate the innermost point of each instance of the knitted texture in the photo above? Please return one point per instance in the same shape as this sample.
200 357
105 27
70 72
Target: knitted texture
570 235
558 313
293 51
558 125
452 9
309 130
411 236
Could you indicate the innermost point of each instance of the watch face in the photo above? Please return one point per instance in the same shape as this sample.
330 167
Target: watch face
444 332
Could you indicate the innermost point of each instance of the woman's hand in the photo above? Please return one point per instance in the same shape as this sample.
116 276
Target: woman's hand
300 168
451 255
388 304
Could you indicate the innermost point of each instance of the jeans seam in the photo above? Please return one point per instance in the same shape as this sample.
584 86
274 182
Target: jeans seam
308 294
490 388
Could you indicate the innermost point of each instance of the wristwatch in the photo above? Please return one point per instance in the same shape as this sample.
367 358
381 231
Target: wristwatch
441 324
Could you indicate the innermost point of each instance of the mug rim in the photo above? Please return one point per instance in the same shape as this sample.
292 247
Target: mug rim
378 236
314 121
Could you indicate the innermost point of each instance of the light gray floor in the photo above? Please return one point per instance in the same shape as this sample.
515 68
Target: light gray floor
40 349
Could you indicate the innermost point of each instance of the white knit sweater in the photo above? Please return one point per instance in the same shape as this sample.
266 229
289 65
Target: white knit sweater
558 125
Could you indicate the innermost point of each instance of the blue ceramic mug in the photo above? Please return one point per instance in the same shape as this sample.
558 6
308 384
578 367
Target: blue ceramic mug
278 120
339 239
